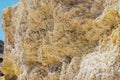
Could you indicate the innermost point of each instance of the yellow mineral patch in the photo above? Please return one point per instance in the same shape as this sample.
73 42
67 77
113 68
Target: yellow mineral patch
62 40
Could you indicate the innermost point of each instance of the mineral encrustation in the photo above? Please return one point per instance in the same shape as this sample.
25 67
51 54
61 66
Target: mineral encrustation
62 40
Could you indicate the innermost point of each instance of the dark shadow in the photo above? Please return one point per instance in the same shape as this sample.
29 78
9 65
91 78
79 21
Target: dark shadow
1 60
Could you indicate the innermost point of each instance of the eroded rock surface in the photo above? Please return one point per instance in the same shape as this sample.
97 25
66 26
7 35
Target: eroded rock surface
62 40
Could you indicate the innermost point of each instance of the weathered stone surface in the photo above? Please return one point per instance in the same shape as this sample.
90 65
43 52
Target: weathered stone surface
62 40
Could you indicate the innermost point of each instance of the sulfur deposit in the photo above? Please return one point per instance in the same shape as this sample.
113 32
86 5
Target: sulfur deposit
62 40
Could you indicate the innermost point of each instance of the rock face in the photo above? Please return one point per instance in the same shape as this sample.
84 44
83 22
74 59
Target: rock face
62 40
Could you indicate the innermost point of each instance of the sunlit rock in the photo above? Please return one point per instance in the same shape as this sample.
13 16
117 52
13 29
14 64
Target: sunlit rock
62 40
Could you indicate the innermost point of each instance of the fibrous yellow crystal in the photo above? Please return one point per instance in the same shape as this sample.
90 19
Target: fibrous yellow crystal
62 40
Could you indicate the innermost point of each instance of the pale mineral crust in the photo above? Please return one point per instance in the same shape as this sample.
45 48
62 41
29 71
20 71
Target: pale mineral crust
62 40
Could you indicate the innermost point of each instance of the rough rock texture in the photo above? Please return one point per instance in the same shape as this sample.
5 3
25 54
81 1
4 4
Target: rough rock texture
62 40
